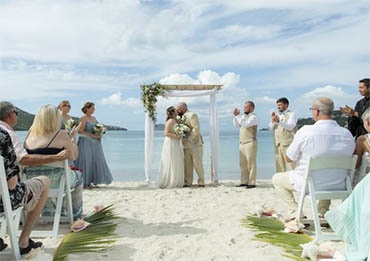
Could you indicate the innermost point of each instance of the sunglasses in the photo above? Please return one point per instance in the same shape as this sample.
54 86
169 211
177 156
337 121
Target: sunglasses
16 112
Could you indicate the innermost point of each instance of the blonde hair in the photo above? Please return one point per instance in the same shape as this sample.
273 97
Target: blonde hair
47 119
62 103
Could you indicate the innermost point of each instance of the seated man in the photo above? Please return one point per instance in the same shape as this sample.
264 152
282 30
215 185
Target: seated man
32 193
324 138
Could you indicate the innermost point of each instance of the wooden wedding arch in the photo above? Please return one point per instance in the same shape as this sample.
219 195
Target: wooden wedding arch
187 90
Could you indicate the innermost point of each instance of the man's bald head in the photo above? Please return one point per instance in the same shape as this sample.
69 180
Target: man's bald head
182 108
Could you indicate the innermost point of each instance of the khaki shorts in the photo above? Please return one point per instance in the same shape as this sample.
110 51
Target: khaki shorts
34 188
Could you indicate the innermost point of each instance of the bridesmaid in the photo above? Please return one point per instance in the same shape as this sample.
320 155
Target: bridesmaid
64 107
91 156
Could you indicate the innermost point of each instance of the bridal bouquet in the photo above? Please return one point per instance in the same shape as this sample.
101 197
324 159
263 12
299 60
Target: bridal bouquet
69 124
99 129
182 130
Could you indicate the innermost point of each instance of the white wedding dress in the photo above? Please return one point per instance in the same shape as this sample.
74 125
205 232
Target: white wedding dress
172 164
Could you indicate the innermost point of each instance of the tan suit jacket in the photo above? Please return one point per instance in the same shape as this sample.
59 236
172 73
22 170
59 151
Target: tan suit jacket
195 137
193 150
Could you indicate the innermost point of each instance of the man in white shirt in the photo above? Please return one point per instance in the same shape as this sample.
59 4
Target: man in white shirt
324 138
284 126
247 124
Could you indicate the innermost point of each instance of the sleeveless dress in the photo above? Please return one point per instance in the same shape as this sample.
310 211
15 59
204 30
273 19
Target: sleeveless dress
91 159
351 221
172 164
54 173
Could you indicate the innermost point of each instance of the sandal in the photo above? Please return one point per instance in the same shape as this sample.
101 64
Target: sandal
31 245
2 245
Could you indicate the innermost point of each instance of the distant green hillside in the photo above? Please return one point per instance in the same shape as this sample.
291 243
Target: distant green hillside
338 116
25 120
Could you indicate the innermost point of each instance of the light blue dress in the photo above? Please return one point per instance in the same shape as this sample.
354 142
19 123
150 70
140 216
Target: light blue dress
91 159
351 221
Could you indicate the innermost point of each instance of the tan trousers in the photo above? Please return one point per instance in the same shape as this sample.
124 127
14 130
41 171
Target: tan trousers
285 191
193 159
281 165
248 162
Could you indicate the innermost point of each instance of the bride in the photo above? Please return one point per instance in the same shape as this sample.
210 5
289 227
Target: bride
172 161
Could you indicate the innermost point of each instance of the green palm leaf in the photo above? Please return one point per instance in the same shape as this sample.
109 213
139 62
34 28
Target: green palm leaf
270 230
96 237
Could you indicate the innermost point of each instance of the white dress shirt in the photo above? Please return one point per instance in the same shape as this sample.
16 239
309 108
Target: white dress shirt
324 138
245 120
289 125
17 145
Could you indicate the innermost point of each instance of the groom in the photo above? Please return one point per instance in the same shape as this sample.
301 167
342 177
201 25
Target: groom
193 146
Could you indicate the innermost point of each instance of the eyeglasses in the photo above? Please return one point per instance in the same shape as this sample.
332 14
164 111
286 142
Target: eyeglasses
314 109
16 112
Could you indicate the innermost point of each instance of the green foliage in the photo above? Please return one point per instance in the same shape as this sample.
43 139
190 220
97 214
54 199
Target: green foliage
270 230
25 120
96 237
149 94
338 116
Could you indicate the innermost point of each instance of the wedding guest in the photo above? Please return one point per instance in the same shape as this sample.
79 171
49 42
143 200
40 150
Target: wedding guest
31 193
284 126
355 124
193 146
324 138
247 123
45 137
91 157
363 142
350 220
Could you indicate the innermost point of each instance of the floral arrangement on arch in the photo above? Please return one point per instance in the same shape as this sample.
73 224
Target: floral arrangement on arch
149 95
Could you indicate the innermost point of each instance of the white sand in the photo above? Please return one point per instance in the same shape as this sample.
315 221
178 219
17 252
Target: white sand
183 223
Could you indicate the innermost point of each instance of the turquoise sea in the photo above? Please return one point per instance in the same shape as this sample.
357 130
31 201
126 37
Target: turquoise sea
124 151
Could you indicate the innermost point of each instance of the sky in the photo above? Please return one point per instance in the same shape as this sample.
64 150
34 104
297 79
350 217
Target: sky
103 50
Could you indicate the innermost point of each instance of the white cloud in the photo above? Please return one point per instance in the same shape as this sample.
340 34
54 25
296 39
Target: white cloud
340 98
178 78
114 99
266 100
230 96
335 93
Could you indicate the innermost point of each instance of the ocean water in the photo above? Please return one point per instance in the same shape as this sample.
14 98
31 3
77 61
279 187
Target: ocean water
124 152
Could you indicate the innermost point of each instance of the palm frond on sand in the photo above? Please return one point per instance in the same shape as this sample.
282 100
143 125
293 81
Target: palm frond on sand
96 237
271 230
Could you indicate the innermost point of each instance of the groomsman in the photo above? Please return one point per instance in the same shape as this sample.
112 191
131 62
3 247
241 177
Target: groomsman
247 123
284 126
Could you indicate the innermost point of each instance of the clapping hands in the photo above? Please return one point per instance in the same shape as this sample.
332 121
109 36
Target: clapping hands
274 117
236 112
347 110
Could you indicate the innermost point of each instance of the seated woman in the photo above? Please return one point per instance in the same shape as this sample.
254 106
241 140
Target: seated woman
350 221
362 143
45 137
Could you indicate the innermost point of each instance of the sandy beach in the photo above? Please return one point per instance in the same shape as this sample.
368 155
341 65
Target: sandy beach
183 223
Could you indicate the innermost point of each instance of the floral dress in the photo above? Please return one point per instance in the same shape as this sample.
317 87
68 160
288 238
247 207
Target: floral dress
11 170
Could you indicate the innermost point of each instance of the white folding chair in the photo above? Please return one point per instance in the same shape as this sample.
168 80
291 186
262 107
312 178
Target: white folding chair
64 190
322 163
10 218
365 164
